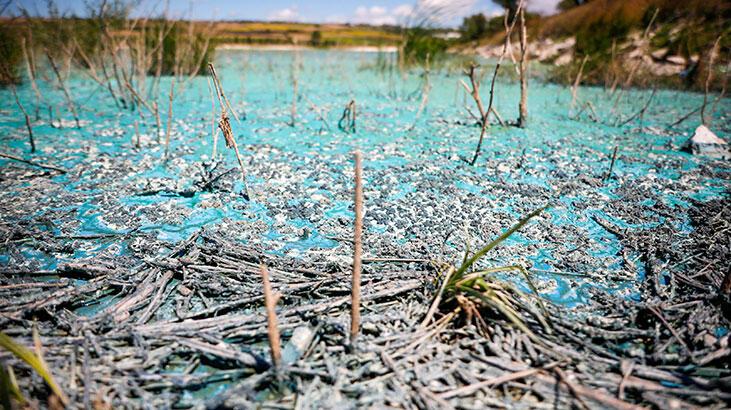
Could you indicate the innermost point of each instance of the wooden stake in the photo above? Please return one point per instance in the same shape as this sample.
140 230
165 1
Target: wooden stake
355 294
270 301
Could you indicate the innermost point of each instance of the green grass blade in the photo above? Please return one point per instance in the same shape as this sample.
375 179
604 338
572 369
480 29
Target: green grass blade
471 261
26 355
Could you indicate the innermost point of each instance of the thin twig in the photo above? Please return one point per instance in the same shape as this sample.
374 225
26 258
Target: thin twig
168 129
35 164
611 165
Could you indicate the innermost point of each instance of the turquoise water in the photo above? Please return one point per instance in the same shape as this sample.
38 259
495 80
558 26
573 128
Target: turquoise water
300 175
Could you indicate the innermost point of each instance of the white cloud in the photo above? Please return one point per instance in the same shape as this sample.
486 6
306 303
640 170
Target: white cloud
375 15
403 10
285 14
542 6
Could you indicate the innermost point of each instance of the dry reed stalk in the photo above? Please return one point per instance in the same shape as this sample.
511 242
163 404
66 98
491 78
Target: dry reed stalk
318 112
425 89
30 68
611 165
475 93
613 72
492 83
137 135
347 120
270 302
170 117
214 133
641 112
636 66
719 97
709 77
437 299
31 140
523 105
357 250
65 90
494 112
225 125
207 35
506 22
92 73
575 86
158 122
35 164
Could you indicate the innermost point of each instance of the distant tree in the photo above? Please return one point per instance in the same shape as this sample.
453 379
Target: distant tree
511 5
316 38
474 26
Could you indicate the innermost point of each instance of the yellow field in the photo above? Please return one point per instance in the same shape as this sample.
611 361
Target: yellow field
301 33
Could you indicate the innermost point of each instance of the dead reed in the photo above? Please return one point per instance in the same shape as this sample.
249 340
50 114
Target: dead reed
169 126
641 113
214 132
611 164
523 64
28 125
709 77
425 89
31 72
357 249
270 303
575 86
64 88
347 120
630 77
34 163
224 124
475 91
320 115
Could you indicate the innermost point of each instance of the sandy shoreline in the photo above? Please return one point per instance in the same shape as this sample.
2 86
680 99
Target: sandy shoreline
292 47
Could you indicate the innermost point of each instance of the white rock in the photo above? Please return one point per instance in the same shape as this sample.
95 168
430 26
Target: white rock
297 345
705 142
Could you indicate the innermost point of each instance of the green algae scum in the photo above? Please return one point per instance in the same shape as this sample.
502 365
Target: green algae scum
580 262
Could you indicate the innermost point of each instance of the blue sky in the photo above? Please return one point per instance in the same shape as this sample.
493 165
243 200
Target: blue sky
322 11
